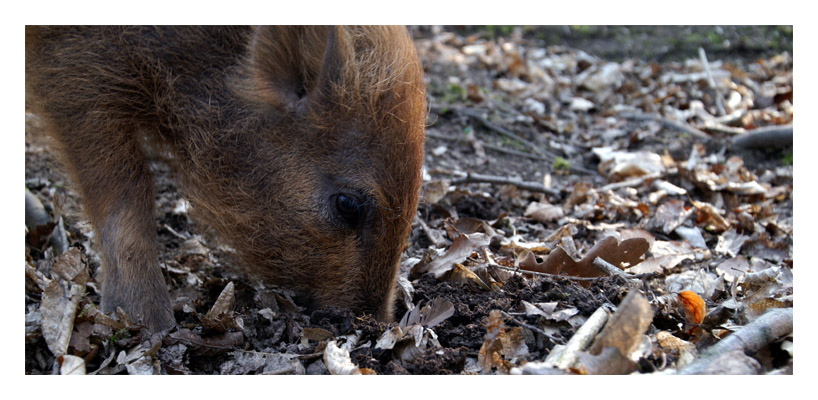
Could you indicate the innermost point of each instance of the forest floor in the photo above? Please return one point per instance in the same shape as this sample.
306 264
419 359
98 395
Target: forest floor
623 209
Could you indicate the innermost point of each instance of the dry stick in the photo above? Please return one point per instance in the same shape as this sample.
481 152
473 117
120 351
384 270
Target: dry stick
628 183
501 180
581 340
531 327
491 147
525 271
776 136
712 82
668 123
610 269
752 337
479 117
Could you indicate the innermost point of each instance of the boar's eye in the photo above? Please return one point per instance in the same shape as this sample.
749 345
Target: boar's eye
349 207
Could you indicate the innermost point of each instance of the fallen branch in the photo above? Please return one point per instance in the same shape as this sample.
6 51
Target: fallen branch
501 180
775 136
537 273
749 339
667 123
580 341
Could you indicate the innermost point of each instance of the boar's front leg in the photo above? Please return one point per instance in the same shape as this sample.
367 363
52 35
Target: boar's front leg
118 194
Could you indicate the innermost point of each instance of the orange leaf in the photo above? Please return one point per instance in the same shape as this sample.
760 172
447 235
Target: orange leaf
693 306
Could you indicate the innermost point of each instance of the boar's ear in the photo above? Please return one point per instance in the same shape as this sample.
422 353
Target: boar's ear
284 62
332 66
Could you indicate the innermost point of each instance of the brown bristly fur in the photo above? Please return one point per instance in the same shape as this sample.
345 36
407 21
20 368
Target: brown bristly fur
266 126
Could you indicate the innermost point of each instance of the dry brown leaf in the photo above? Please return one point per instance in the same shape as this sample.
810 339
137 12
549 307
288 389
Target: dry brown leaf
71 266
220 317
462 247
669 216
205 346
433 313
544 213
733 268
710 217
461 275
502 347
58 308
673 345
626 326
622 255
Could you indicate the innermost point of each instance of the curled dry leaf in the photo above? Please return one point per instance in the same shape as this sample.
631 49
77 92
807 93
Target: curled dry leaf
220 317
710 217
669 216
549 310
462 247
58 308
463 276
71 266
502 347
433 313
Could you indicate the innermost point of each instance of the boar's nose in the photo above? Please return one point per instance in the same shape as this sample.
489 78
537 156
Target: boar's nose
305 300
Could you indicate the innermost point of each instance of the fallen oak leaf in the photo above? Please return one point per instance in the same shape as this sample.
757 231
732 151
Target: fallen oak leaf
622 255
206 345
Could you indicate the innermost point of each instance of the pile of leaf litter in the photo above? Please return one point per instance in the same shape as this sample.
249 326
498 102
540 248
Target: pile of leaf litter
579 216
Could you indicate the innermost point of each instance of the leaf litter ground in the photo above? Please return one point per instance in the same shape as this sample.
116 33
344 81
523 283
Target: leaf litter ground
579 216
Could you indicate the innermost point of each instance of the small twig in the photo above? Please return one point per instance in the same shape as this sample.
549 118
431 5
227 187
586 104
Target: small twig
581 340
499 129
174 233
668 123
575 278
776 136
609 268
712 82
715 126
501 180
531 327
628 183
